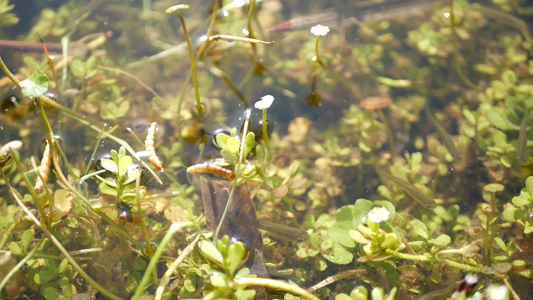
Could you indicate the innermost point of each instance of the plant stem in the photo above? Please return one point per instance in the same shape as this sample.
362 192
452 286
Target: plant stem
275 284
175 227
407 256
265 133
20 265
149 249
463 267
193 65
318 59
55 241
237 175
164 280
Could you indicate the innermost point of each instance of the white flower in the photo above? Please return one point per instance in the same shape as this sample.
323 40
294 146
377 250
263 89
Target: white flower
320 30
496 292
378 215
265 102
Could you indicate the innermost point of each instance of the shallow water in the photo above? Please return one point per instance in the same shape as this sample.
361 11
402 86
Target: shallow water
127 66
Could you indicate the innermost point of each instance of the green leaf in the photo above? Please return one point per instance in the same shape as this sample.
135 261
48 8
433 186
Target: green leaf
345 213
109 165
236 253
339 233
43 277
358 237
493 187
360 210
15 249
221 139
511 213
420 228
131 176
35 85
245 294
27 238
272 181
228 156
123 165
49 293
340 255
233 145
500 243
520 200
441 240
249 143
63 265
210 251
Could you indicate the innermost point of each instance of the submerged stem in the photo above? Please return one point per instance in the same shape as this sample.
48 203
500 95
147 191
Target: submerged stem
193 65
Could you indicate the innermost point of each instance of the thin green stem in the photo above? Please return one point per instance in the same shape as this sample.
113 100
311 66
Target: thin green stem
193 65
264 125
203 46
407 256
237 175
140 217
175 227
274 284
164 280
7 234
219 227
463 267
318 59
55 241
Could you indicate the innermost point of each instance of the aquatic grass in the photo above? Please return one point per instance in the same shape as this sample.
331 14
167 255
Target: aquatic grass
50 236
175 227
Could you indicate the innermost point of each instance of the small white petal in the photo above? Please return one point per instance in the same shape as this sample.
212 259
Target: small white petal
265 102
378 215
320 30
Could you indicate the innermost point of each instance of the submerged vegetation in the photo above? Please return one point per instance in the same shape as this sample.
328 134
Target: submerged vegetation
142 152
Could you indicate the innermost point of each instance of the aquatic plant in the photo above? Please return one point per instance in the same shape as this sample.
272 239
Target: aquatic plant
316 196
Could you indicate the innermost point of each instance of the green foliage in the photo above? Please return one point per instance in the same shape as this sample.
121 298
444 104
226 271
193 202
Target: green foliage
35 86
230 150
227 256
121 183
427 40
7 18
521 208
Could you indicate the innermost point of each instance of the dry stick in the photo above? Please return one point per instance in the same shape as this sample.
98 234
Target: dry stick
164 280
55 241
